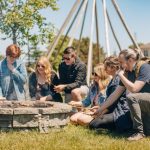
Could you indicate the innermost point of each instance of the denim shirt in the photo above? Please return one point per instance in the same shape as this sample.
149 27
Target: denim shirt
19 77
94 90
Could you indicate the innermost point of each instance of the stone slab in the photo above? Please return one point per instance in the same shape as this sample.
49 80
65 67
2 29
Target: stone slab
56 110
27 110
6 111
56 120
5 124
26 121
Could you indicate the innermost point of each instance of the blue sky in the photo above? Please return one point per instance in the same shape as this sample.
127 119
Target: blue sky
135 12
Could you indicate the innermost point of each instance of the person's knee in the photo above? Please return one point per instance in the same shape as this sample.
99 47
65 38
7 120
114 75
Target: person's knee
75 92
80 121
131 98
73 118
93 124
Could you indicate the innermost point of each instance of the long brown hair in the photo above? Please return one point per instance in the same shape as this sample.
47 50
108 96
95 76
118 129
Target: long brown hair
112 61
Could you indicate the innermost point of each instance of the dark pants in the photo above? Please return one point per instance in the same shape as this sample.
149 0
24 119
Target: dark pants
105 122
139 104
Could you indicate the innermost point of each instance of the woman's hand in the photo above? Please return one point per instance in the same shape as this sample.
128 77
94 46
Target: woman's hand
10 67
46 98
76 104
97 112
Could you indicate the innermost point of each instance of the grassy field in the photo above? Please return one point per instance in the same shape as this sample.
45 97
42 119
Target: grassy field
69 138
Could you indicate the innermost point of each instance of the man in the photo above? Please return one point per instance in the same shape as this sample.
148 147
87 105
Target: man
72 74
135 79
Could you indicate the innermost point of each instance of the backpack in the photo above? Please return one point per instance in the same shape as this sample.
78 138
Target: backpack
140 63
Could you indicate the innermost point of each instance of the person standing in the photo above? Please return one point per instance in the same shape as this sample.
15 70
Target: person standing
72 74
13 75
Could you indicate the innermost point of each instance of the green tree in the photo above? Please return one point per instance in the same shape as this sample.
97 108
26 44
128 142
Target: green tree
1 57
133 46
20 17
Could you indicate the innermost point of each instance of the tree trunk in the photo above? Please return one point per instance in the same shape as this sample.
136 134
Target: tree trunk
14 38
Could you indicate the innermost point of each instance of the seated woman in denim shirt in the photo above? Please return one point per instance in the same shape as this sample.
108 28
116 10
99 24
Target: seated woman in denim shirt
42 82
95 97
13 75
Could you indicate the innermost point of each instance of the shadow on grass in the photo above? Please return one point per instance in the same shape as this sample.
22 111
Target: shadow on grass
112 134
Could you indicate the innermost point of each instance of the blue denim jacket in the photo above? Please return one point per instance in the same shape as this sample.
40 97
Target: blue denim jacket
94 90
19 76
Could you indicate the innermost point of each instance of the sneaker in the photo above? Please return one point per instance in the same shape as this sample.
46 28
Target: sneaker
136 137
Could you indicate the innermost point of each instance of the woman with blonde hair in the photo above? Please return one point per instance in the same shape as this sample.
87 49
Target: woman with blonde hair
118 116
42 82
95 97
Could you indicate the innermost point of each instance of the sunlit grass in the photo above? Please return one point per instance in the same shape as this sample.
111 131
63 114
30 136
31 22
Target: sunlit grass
69 138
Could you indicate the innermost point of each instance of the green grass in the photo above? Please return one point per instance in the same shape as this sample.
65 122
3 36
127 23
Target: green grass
69 138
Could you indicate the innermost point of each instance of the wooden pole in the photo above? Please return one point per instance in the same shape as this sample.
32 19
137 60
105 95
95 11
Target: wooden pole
83 22
97 32
106 28
78 22
113 32
126 27
73 20
53 45
89 66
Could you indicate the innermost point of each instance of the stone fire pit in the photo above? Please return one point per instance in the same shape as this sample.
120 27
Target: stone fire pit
33 114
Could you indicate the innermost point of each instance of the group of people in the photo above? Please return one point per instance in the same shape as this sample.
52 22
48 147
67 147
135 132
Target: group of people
118 95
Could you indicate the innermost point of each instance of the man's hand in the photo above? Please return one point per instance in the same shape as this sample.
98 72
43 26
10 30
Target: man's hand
46 98
120 72
59 88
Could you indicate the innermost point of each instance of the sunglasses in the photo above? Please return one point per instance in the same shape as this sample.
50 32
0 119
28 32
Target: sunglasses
42 66
94 74
67 58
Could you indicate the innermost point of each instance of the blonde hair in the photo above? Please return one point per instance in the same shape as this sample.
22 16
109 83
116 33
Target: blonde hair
112 61
104 77
47 66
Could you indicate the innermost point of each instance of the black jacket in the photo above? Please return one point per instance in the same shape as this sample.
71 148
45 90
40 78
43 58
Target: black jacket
46 89
73 75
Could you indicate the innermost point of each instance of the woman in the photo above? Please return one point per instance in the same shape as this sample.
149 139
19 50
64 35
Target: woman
42 82
13 75
95 97
119 116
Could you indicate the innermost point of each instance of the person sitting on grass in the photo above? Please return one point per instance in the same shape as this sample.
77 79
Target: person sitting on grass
135 78
42 82
118 117
95 97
